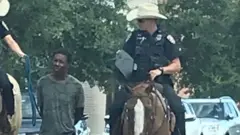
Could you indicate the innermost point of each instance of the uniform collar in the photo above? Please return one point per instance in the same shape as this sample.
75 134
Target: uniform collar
157 31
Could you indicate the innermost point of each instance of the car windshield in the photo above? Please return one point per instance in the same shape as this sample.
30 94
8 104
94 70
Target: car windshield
188 108
209 110
26 107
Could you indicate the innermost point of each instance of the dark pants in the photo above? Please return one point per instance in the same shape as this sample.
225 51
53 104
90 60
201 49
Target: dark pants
174 102
7 92
177 107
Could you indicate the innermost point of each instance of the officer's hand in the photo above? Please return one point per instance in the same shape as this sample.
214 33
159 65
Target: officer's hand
21 54
154 73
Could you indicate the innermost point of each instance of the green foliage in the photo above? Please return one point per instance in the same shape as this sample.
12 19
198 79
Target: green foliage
92 31
210 57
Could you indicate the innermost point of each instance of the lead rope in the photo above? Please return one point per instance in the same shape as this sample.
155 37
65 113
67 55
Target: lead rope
29 87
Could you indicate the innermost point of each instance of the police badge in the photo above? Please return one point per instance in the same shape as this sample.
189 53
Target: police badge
159 37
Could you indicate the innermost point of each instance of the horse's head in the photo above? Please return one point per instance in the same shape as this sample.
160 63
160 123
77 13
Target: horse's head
147 86
142 87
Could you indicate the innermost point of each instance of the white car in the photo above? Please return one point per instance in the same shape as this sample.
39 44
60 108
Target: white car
218 116
192 122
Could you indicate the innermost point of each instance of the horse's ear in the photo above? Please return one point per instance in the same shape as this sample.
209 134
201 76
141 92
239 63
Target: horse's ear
150 87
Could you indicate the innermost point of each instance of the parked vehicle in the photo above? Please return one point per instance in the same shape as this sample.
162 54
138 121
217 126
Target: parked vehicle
192 122
28 129
81 127
218 116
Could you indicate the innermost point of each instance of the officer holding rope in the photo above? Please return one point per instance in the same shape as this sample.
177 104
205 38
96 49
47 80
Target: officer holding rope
5 35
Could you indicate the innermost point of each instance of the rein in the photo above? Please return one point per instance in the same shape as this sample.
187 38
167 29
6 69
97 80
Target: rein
29 87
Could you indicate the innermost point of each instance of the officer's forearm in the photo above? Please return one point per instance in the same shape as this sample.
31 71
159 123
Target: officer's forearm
172 68
13 44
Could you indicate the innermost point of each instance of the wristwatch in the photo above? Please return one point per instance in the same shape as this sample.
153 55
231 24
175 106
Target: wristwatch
162 71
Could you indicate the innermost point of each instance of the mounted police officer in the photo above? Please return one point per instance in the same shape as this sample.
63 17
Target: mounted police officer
154 54
5 84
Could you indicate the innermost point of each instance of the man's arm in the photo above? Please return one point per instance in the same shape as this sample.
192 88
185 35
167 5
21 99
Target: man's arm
80 103
39 97
172 52
6 36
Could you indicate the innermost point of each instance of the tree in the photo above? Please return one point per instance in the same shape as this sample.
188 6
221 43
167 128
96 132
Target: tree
210 56
91 30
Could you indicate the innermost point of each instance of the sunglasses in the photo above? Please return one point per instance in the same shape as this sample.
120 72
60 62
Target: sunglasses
140 20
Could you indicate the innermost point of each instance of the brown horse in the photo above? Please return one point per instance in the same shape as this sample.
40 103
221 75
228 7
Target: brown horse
135 120
11 125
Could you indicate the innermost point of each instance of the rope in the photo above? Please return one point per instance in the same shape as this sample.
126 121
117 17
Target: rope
28 78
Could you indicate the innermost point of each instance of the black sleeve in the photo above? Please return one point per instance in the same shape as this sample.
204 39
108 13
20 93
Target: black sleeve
171 50
130 43
78 114
129 47
4 31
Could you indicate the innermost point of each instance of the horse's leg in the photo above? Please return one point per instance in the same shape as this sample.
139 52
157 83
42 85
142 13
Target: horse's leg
121 96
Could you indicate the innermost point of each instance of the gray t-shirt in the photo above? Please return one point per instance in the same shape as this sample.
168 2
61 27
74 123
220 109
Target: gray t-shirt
58 101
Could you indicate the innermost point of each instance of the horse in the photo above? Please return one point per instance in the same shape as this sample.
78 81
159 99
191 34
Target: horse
16 120
164 119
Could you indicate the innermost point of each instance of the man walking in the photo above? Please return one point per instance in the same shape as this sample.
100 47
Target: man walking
60 97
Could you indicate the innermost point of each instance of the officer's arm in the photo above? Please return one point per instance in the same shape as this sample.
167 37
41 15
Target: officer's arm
129 44
13 45
6 36
39 97
80 103
172 52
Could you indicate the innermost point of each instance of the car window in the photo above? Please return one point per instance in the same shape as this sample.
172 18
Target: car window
209 110
187 108
226 109
232 110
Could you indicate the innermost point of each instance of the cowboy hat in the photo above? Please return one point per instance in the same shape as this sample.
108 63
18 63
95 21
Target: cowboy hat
143 11
4 7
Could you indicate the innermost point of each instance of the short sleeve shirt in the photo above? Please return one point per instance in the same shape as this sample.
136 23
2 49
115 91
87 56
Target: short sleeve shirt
4 31
58 101
170 50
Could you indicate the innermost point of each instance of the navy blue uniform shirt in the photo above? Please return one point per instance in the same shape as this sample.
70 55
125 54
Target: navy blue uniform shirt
170 50
4 31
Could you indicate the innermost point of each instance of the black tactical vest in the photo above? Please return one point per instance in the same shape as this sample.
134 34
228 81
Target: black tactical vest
149 54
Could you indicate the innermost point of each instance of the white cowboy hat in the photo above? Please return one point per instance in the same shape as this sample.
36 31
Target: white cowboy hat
143 11
4 7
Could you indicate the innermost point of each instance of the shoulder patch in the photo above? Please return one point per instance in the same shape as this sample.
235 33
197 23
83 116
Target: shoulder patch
171 39
4 25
